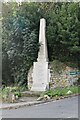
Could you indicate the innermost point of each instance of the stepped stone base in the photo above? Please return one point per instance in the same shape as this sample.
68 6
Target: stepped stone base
40 76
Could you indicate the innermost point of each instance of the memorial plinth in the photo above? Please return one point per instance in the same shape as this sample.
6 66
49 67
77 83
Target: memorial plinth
41 73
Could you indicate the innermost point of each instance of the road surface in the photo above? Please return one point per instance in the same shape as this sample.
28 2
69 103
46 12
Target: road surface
64 108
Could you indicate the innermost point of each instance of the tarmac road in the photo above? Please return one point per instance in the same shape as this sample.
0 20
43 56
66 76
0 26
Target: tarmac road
64 108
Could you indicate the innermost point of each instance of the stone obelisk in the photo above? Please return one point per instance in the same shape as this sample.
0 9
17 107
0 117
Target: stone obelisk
41 72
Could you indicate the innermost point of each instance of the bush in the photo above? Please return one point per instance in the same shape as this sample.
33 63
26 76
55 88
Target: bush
8 91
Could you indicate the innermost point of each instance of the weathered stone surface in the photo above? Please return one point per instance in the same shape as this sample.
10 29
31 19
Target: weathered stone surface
40 76
30 80
63 78
45 97
41 72
40 98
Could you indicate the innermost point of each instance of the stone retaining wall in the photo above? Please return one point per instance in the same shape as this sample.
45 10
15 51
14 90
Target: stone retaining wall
61 75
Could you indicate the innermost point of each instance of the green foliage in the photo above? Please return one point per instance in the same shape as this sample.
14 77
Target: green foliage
63 37
61 91
10 89
20 47
20 36
6 91
17 94
57 66
15 90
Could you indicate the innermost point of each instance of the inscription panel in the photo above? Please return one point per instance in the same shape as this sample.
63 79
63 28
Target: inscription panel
40 73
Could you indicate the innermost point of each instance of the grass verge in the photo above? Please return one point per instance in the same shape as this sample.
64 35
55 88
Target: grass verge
62 91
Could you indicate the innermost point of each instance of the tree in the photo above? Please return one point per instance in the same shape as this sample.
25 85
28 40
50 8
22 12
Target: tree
20 46
21 30
63 32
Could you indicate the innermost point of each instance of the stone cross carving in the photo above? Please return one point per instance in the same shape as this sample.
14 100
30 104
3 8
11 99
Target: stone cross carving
41 72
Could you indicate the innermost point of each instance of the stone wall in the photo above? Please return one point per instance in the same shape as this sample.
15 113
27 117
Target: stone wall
30 81
61 75
66 77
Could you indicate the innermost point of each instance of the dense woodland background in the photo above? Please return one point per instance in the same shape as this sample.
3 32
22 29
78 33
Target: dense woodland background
20 25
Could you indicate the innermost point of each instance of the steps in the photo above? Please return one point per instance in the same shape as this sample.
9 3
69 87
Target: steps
30 94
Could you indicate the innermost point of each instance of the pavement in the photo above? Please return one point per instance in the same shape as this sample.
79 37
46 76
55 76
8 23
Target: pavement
21 104
28 102
63 108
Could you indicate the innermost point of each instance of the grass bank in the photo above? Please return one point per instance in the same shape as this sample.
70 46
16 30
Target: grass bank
7 92
57 92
